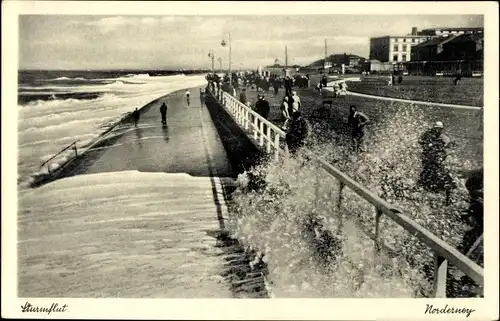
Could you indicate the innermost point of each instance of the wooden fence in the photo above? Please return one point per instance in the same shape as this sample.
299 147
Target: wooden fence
270 138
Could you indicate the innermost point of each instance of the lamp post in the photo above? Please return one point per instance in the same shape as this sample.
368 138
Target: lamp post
211 55
223 43
220 64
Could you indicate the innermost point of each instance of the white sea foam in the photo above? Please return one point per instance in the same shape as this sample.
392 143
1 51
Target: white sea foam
45 127
102 235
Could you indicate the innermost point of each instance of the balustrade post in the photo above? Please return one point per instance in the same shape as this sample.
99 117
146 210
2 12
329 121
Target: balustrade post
242 116
247 119
276 146
339 204
255 126
76 150
440 274
261 132
268 138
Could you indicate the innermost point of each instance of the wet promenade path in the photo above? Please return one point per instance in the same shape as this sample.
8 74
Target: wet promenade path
146 218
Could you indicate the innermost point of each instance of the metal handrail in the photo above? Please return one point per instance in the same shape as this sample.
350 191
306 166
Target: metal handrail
443 252
62 150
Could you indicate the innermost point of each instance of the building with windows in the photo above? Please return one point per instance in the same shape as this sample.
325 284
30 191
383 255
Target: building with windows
398 49
430 50
394 49
449 55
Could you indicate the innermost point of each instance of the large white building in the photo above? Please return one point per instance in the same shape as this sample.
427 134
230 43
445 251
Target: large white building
394 49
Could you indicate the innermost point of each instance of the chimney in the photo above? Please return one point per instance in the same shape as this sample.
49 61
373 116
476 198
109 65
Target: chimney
414 31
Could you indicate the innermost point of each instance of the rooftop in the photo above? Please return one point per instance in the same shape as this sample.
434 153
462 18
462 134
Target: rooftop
400 36
437 41
467 37
454 29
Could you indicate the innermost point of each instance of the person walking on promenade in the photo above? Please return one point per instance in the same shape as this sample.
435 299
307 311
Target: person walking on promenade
284 112
296 104
457 79
136 115
243 96
434 176
357 122
319 87
288 86
202 96
276 86
262 107
163 111
297 133
187 94
324 80
400 79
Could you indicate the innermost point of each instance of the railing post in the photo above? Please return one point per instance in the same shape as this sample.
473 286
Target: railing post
276 146
268 138
440 274
261 130
242 115
247 119
255 126
237 109
378 214
339 212
76 150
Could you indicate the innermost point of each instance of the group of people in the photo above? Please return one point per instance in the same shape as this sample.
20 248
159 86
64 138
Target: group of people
339 88
291 104
392 80
295 125
434 176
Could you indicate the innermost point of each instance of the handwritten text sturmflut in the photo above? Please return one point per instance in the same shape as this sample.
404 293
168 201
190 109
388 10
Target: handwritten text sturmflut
55 307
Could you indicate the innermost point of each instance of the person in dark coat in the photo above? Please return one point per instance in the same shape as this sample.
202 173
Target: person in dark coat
434 176
262 107
135 115
276 86
400 79
202 96
163 111
324 80
288 86
297 134
357 122
243 96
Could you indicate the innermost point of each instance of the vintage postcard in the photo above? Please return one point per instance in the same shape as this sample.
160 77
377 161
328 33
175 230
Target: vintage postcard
250 160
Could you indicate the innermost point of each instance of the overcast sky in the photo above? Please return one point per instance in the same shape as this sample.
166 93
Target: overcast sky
120 42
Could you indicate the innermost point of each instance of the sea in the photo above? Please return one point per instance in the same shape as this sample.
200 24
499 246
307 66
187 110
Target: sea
57 108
